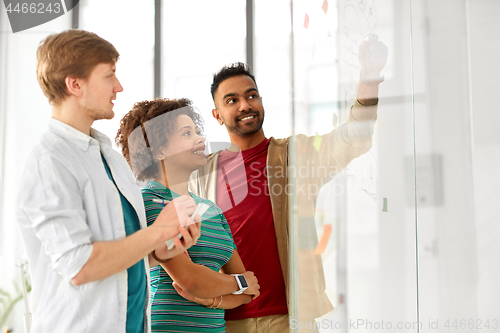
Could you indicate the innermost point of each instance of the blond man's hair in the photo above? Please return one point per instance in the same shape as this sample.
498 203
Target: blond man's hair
71 53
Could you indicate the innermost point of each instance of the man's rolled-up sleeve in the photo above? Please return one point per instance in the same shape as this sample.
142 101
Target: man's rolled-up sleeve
52 204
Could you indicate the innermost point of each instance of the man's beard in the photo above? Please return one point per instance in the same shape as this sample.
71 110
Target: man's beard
245 130
98 114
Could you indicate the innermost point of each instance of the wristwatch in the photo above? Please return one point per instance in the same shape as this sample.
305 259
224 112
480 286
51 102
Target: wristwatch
242 283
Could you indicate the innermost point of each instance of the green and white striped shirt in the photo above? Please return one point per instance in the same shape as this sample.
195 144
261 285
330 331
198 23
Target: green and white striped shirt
169 311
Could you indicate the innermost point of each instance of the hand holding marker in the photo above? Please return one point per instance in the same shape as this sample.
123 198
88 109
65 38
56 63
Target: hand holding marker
200 210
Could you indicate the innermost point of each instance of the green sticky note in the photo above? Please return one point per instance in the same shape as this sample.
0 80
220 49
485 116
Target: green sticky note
317 142
384 208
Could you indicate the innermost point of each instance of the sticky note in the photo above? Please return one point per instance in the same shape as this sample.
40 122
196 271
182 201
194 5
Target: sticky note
323 242
317 142
325 6
306 21
384 208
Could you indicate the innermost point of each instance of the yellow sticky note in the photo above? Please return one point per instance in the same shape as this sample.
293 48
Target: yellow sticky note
317 142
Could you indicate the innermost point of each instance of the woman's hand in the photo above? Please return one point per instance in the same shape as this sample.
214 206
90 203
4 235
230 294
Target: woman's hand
191 298
253 285
220 302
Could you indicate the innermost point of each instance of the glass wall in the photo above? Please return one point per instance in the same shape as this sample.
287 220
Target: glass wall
404 234
362 229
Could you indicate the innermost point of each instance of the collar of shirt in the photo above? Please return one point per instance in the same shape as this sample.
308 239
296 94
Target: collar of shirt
153 185
76 137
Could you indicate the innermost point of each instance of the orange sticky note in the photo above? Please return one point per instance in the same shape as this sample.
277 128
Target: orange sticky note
325 6
327 231
306 21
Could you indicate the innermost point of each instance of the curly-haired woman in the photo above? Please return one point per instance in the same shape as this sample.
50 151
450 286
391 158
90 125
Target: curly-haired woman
162 142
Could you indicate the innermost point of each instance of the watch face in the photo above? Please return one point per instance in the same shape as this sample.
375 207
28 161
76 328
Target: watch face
243 281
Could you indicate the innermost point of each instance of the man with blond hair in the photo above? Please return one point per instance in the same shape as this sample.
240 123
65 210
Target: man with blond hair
81 215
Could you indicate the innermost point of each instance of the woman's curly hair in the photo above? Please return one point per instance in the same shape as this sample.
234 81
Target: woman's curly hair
140 139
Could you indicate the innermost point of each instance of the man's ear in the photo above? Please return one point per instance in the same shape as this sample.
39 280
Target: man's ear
216 115
73 85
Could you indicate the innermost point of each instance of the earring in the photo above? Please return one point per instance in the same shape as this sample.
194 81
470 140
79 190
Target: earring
160 156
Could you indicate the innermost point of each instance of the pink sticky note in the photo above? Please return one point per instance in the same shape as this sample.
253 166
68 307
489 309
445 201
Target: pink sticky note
306 21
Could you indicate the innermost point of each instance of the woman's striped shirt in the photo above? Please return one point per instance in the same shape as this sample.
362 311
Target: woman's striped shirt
169 311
